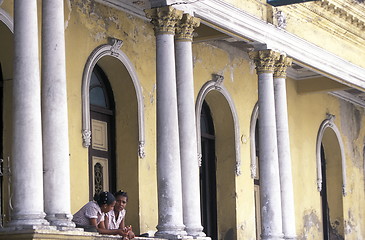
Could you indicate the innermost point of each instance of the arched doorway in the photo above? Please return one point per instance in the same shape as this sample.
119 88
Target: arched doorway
332 189
208 174
102 149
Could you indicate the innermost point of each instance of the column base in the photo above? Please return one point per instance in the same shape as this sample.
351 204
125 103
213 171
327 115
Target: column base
62 221
272 237
195 232
171 232
292 237
29 221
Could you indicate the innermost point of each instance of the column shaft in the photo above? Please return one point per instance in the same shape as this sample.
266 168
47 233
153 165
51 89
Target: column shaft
187 127
55 117
286 182
170 220
27 169
268 153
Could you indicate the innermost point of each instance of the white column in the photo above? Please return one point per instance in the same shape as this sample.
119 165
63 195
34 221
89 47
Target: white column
26 161
271 225
170 215
286 181
187 126
54 117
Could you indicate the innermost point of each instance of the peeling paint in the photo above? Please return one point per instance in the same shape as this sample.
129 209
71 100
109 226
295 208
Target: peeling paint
350 223
152 93
351 126
69 8
311 226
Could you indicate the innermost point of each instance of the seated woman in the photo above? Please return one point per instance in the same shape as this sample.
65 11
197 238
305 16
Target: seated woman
115 219
91 215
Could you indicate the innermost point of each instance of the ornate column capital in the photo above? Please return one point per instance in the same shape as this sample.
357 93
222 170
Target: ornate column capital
264 60
281 65
164 19
185 27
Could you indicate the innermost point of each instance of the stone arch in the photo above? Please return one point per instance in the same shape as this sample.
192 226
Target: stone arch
329 123
112 50
216 85
6 19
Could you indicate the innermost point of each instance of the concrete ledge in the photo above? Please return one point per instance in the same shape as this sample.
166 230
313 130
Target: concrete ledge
41 234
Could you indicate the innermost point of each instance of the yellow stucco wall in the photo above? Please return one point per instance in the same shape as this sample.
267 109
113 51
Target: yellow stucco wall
88 25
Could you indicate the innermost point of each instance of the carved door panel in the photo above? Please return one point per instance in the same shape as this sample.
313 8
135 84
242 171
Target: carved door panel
100 154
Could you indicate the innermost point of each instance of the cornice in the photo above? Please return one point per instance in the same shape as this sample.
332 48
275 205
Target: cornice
222 15
238 22
340 20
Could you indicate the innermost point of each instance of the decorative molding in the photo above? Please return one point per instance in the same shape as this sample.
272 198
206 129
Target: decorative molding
185 27
254 117
280 18
116 45
207 87
264 60
218 79
281 66
96 55
141 151
86 138
219 14
7 19
351 98
164 19
329 123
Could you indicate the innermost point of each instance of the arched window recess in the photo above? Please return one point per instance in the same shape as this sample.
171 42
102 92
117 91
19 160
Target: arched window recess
329 123
110 49
217 84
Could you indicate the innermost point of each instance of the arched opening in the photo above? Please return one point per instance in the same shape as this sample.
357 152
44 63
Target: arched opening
127 128
225 167
208 170
332 189
6 76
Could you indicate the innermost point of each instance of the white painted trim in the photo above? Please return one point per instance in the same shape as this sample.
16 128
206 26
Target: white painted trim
238 22
349 98
113 51
254 117
217 86
7 19
328 123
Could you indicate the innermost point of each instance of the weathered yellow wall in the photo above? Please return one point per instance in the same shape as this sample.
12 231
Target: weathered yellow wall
87 27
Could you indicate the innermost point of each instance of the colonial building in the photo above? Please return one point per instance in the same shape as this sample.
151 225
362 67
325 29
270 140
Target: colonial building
221 119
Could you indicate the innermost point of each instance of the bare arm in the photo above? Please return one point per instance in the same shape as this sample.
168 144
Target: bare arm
122 224
101 228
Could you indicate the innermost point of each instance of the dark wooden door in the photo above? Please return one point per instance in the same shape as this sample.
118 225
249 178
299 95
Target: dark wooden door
208 185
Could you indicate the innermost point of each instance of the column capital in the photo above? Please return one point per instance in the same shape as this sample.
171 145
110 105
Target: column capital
281 65
185 27
164 19
264 60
